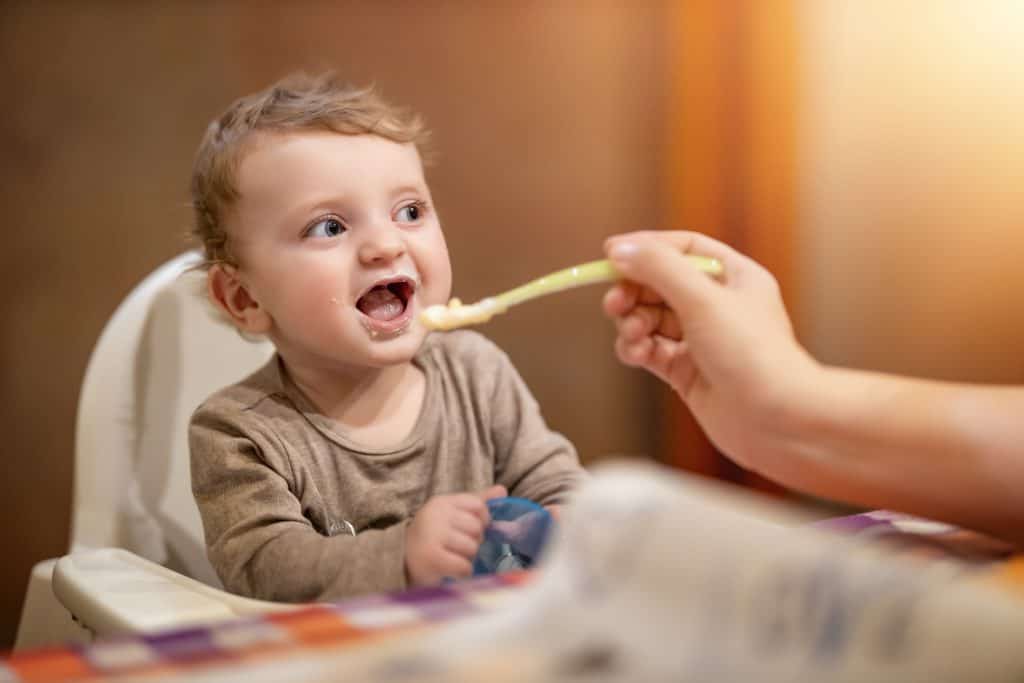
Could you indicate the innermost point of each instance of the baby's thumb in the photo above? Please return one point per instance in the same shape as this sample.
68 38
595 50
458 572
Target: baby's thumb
496 491
660 265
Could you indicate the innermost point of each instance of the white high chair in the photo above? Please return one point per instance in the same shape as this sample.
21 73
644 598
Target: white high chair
137 561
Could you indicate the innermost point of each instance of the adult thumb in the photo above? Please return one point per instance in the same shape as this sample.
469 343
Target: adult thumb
663 267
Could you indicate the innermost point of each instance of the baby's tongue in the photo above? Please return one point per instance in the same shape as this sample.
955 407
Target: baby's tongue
381 304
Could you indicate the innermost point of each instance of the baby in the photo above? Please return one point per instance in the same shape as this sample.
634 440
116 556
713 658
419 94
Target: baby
360 458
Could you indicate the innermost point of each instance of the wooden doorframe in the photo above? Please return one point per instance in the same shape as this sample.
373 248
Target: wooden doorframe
731 160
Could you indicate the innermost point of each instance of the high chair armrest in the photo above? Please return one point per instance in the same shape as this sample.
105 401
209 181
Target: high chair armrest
44 621
113 591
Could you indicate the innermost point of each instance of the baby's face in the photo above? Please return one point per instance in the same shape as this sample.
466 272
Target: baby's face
337 239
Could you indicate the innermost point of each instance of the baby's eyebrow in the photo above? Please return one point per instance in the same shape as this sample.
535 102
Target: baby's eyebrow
409 188
316 204
298 215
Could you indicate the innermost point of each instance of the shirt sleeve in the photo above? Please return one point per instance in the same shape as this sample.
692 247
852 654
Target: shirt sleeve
531 460
257 538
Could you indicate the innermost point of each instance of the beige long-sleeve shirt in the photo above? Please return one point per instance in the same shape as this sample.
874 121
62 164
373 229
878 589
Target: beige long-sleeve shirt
281 489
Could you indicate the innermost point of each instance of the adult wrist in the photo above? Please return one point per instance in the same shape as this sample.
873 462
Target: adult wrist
790 421
799 396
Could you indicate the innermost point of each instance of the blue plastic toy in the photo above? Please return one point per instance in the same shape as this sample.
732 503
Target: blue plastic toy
517 533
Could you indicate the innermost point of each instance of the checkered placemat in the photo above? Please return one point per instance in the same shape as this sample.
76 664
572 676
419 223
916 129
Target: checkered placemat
293 637
995 561
317 626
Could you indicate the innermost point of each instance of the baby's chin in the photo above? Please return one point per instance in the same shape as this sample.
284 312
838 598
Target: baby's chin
395 349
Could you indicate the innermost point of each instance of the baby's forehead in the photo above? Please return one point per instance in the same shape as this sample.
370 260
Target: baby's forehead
327 148
288 166
266 138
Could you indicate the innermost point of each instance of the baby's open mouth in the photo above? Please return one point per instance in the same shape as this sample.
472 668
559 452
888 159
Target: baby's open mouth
387 300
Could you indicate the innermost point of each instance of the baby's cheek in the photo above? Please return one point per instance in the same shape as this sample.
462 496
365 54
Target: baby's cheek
440 295
439 278
321 312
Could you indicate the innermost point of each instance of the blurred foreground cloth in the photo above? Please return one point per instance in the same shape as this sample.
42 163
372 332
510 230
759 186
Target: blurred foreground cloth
651 576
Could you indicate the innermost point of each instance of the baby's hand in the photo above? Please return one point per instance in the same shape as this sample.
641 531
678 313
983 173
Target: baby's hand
445 534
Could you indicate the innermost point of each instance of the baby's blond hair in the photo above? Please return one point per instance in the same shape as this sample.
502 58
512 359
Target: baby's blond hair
296 103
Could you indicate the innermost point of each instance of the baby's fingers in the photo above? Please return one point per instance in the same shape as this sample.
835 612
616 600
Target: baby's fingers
495 491
455 566
461 544
468 524
473 504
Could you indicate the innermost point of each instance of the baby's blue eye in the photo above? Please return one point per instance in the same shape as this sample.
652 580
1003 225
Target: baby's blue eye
328 227
410 213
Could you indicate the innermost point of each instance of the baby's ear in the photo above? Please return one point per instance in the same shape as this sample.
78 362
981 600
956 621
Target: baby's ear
229 294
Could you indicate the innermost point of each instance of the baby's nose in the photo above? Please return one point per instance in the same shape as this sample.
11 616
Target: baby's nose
381 247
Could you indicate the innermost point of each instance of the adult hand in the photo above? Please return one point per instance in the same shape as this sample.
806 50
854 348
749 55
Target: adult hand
724 344
942 450
444 536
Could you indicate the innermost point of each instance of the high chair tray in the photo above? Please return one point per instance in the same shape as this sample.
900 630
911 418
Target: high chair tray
112 591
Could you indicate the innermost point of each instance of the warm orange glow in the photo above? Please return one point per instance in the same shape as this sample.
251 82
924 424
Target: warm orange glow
913 171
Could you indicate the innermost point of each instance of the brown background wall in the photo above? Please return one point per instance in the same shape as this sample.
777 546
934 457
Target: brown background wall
546 118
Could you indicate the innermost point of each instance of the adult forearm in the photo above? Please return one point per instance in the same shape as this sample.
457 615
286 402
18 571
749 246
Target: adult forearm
947 451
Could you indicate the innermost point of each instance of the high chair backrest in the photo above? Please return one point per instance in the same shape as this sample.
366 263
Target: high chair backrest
163 351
